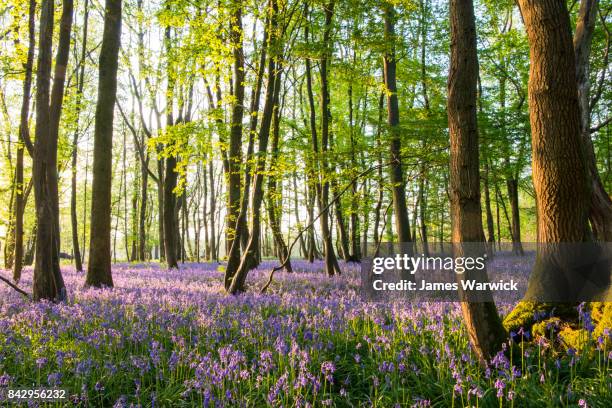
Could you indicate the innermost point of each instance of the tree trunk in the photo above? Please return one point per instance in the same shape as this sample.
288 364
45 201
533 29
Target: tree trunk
274 210
142 216
235 143
213 200
489 212
482 322
76 250
331 262
560 169
24 135
512 186
600 212
235 279
48 282
400 210
99 267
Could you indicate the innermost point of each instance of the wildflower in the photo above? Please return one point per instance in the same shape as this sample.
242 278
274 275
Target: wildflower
54 379
328 368
499 386
582 403
5 379
41 362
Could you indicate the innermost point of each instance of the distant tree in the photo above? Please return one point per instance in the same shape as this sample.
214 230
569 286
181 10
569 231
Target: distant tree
400 210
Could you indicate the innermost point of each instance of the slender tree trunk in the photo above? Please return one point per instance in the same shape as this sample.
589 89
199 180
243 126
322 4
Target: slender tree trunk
235 279
512 186
380 180
142 216
274 212
99 267
171 230
482 322
76 251
239 205
235 142
48 282
213 199
355 255
400 210
331 262
24 135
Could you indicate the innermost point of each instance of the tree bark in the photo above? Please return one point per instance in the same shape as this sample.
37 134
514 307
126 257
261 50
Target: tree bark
274 212
560 169
48 282
24 135
600 210
235 279
99 267
235 142
400 210
482 322
331 262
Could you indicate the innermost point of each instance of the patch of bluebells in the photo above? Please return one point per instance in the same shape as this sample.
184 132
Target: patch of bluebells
174 337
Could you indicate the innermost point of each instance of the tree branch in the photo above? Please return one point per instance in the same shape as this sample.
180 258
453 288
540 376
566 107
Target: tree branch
12 285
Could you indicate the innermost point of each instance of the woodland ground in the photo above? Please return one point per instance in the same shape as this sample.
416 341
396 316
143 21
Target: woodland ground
174 338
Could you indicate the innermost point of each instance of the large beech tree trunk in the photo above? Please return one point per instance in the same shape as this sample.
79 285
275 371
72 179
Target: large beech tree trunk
560 169
482 322
99 267
48 282
400 210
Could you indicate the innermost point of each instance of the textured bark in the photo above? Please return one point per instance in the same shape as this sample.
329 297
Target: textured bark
24 132
99 266
48 282
600 212
560 169
481 320
400 210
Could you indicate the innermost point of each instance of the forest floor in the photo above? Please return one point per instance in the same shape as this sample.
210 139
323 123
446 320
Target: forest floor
174 338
